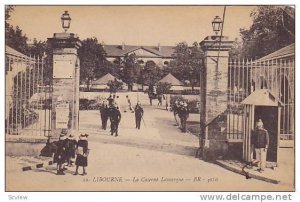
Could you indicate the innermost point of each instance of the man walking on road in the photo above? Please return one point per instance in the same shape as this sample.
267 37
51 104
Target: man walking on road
139 112
183 114
115 118
261 143
104 113
176 108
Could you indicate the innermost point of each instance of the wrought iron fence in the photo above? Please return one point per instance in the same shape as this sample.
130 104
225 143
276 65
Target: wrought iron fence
245 76
28 96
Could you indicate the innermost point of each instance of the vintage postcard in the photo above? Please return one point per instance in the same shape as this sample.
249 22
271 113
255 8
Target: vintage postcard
149 98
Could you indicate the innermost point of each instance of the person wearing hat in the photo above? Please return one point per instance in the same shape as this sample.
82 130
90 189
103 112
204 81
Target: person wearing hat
71 149
104 114
82 152
110 100
60 155
176 108
129 104
115 118
183 114
260 141
139 112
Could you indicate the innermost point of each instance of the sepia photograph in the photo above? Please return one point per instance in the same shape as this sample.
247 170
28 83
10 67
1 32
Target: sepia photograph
149 98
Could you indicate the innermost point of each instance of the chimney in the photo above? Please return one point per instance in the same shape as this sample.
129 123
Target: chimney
123 46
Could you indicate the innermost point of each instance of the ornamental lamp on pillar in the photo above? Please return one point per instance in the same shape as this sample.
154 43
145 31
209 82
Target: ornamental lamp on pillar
213 92
217 24
65 79
65 21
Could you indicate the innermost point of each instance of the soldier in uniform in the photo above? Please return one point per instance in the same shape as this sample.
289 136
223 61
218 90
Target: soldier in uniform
183 115
129 104
110 100
139 112
115 118
260 140
60 155
176 108
104 114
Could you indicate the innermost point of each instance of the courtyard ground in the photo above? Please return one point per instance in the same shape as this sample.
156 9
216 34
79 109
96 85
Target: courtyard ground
159 157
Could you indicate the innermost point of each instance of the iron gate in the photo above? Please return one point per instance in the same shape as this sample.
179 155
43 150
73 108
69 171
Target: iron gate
28 95
245 76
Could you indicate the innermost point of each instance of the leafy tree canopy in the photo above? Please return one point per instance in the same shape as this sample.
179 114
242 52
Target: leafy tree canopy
92 59
163 87
273 27
130 69
115 85
187 63
151 73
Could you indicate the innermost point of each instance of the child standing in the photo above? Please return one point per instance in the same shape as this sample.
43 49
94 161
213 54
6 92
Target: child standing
61 154
82 154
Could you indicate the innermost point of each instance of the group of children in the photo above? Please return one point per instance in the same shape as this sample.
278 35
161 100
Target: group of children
67 148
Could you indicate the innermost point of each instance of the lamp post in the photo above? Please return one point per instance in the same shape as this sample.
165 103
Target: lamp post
213 91
65 20
65 79
217 24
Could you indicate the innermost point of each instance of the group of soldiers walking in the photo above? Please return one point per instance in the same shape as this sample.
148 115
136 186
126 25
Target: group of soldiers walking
109 110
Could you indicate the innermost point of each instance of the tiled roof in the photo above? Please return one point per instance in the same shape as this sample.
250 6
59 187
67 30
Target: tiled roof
281 53
104 79
171 79
117 51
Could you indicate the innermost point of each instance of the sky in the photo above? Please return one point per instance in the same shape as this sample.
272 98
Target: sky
132 25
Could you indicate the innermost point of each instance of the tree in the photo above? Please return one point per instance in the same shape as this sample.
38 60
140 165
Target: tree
236 51
38 48
187 63
273 28
92 56
151 73
163 87
8 10
14 37
130 70
105 68
114 86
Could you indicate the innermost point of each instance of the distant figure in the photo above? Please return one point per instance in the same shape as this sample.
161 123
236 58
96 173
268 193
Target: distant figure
183 115
115 118
110 100
154 90
104 113
82 152
116 99
139 112
260 140
71 149
129 103
60 155
176 108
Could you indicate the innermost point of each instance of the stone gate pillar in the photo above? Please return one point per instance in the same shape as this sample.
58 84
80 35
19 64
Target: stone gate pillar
66 68
213 95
